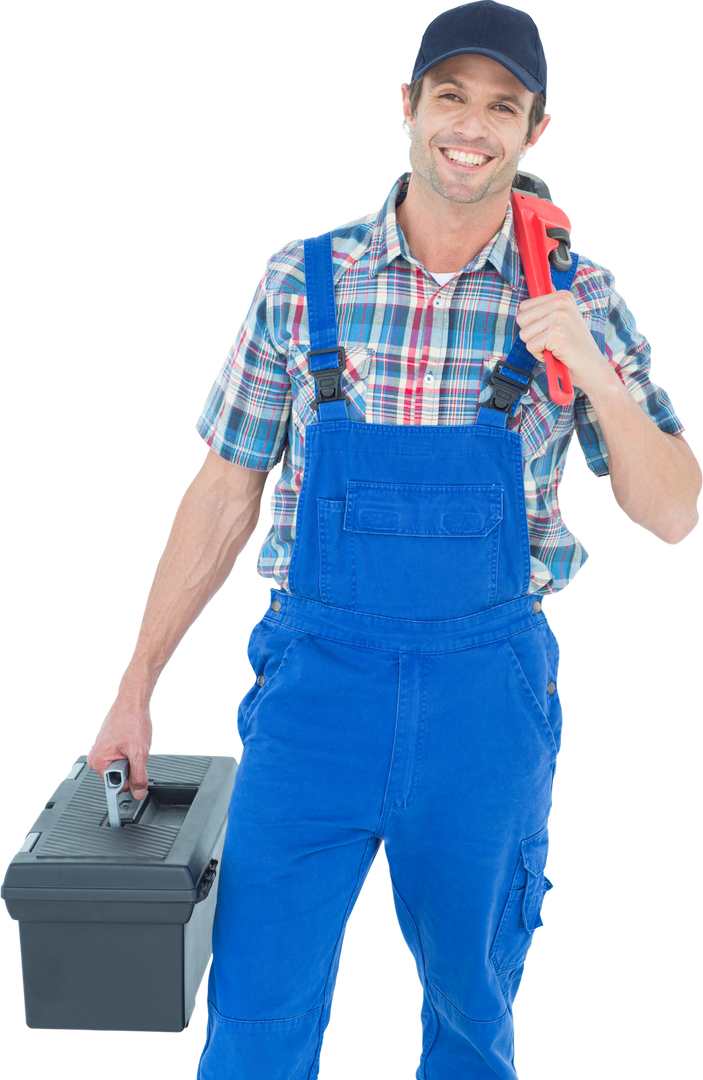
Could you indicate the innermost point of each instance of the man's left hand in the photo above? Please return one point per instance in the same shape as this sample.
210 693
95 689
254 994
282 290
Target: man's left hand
554 322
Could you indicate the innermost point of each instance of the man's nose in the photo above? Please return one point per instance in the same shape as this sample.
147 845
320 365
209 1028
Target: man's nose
471 123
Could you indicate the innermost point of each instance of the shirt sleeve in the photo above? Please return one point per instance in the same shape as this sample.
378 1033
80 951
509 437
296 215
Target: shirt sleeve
245 417
629 353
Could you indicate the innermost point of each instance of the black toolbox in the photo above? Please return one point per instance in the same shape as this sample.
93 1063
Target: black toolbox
116 923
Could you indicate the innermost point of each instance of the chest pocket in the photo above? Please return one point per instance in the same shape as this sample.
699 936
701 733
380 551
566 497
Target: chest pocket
423 509
354 382
439 542
538 419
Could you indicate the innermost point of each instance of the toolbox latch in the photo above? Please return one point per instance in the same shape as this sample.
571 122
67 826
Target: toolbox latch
207 880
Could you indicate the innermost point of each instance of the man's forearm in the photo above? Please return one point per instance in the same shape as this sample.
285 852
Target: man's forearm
655 476
216 517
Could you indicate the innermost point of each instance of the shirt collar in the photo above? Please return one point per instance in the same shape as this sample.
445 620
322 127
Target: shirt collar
389 243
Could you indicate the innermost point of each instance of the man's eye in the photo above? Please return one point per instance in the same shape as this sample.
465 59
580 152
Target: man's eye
450 95
506 107
499 106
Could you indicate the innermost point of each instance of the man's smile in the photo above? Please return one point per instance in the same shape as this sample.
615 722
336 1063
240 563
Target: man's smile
463 159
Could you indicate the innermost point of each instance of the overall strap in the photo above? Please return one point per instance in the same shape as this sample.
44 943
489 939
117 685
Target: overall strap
326 357
511 379
513 376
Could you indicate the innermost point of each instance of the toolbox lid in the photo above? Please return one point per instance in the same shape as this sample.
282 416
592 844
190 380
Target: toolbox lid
161 852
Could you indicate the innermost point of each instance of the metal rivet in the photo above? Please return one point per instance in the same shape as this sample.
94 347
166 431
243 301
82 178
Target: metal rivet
262 679
276 605
537 606
551 687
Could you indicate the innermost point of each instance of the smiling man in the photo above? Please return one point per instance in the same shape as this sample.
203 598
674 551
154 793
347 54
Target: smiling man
405 685
472 126
471 120
406 674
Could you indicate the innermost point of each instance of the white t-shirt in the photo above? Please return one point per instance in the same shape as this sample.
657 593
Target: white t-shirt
444 278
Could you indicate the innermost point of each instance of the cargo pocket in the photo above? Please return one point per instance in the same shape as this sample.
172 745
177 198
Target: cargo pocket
522 913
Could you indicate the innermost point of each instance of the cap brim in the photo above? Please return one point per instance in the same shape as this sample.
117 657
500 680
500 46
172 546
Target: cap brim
529 81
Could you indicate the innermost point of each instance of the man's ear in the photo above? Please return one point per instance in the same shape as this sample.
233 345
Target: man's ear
539 130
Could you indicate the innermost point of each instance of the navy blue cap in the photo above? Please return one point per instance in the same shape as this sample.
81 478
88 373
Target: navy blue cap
496 30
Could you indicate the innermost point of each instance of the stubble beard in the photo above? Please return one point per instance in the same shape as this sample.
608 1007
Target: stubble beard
422 162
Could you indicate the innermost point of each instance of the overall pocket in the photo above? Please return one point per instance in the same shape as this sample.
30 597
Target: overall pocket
522 912
269 650
440 541
533 660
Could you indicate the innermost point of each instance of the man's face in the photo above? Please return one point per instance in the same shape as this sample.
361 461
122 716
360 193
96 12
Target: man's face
470 105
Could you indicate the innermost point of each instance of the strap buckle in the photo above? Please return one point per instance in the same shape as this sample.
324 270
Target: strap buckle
328 381
506 391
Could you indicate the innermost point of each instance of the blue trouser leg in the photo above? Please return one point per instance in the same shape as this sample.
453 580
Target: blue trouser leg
448 758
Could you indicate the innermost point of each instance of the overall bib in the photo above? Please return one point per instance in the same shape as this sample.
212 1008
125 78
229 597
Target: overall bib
405 693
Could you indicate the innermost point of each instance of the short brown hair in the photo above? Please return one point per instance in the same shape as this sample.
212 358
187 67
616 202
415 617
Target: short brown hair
536 112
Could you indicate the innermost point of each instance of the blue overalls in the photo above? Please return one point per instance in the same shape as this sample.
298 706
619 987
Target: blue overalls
405 693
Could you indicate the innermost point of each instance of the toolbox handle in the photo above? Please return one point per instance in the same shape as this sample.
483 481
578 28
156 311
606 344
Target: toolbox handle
207 880
115 775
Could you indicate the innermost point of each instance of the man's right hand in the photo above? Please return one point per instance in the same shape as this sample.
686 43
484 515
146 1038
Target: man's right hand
125 733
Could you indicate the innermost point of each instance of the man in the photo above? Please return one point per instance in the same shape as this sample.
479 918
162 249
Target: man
405 685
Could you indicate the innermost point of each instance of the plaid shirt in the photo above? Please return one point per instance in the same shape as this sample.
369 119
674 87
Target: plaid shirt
417 353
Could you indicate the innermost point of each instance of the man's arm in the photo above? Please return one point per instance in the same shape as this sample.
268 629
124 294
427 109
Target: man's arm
214 522
654 475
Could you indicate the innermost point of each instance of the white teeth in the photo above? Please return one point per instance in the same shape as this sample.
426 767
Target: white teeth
464 158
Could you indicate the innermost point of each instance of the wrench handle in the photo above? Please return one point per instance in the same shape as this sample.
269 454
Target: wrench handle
531 218
558 380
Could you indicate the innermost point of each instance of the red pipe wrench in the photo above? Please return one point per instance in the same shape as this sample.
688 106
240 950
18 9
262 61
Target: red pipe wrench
534 220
